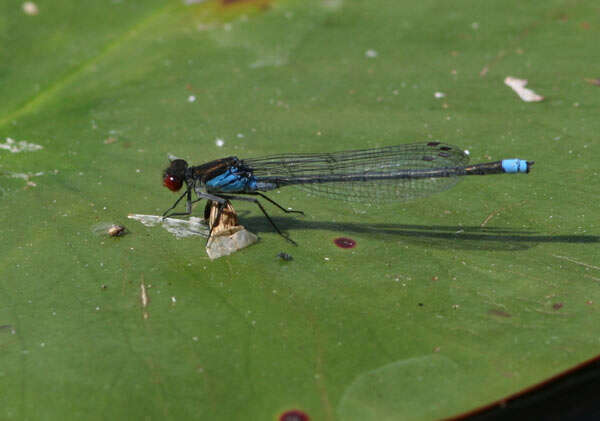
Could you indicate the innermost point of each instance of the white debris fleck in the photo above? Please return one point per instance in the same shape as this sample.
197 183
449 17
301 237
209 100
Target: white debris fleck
98 308
439 95
30 8
467 152
371 53
15 147
475 25
518 85
173 300
240 135
192 98
219 142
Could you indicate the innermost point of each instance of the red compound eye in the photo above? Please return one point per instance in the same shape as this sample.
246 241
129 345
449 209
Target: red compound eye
172 183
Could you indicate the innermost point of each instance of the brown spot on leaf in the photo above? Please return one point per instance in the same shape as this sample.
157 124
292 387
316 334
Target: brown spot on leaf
499 313
557 306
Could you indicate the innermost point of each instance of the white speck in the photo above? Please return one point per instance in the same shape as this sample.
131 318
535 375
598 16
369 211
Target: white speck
518 85
467 152
274 291
371 53
43 344
219 142
54 313
240 135
191 98
30 8
253 322
21 146
138 170
173 300
439 95
475 25
327 259
195 338
97 308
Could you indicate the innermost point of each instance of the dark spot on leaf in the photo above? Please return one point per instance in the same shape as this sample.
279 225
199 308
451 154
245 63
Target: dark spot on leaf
557 306
262 3
285 257
294 415
444 154
445 148
428 158
421 304
345 243
498 313
433 143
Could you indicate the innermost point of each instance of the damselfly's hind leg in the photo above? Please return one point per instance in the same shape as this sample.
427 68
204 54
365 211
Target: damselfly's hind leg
251 199
268 199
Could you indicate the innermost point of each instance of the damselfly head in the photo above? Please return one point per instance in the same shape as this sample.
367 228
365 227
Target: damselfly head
174 176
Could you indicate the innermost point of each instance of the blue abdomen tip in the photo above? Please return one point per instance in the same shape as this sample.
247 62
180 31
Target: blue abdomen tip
514 165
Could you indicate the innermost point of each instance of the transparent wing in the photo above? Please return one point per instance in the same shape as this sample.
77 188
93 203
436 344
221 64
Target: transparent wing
394 173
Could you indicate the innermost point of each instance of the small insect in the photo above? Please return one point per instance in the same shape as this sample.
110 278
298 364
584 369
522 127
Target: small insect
389 174
116 230
110 229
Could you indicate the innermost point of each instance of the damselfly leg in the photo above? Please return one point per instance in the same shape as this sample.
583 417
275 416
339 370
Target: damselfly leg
251 199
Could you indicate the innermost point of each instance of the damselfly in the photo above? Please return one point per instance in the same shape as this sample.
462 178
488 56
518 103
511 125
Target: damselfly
393 173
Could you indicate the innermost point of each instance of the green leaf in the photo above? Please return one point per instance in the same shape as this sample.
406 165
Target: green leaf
445 304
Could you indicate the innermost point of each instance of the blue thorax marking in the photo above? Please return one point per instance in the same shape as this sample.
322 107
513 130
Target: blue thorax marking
231 181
